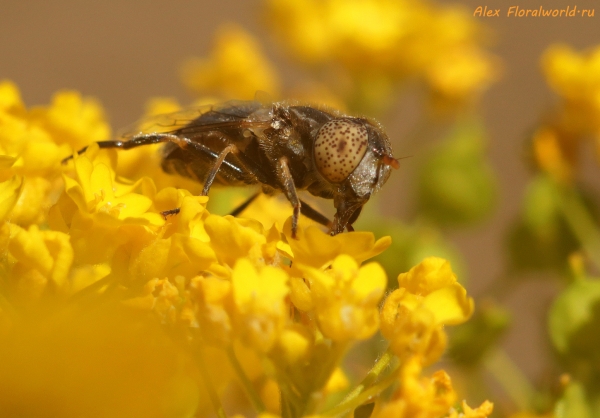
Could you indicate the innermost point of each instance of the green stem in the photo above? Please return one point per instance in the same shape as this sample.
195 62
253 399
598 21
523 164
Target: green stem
359 399
582 224
372 375
510 377
364 386
252 395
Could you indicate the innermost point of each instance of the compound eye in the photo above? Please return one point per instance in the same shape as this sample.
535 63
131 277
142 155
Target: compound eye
339 147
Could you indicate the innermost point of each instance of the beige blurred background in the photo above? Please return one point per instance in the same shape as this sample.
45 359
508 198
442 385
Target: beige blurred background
124 52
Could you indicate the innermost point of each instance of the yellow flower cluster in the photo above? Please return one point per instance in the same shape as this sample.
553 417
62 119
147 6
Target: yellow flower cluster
111 304
428 298
575 77
237 67
388 40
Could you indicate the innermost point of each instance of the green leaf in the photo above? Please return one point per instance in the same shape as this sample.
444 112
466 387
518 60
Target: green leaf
573 403
456 184
574 321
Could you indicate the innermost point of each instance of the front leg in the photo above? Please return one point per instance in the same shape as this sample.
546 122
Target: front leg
289 188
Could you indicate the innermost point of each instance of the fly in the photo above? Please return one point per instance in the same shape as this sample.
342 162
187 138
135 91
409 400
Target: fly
281 146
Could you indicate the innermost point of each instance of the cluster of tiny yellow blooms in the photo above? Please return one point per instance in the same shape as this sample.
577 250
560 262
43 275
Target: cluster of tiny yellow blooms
575 77
389 40
236 68
105 302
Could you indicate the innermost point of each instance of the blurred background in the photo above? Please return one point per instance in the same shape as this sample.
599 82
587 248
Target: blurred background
124 53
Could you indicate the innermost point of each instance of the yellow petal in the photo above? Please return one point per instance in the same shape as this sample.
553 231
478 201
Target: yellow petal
429 275
450 305
9 194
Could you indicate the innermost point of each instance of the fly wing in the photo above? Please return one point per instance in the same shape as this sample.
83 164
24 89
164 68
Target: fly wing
194 121
212 127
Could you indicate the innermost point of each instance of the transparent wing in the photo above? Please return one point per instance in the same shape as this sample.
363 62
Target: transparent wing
195 120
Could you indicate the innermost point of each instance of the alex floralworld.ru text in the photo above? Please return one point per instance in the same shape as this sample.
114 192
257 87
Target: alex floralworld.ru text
516 11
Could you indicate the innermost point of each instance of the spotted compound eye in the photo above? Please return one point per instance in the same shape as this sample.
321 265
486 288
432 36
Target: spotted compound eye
339 148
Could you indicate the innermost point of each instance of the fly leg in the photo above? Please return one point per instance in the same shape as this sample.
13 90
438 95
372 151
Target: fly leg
183 142
313 214
244 205
211 174
289 188
305 209
215 168
149 139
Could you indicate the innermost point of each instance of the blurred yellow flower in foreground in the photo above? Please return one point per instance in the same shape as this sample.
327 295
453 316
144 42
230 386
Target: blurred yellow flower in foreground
109 309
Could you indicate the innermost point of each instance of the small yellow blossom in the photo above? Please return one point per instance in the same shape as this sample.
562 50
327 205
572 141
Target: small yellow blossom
337 382
33 143
9 194
73 120
295 344
418 396
259 297
345 298
461 74
40 261
410 328
214 308
10 97
555 156
483 411
428 298
575 77
233 239
315 248
236 68
95 192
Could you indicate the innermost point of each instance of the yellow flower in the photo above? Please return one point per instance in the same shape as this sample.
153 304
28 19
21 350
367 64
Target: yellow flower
345 298
315 248
40 262
574 76
104 359
73 120
410 328
95 192
9 194
461 74
236 68
10 97
428 298
368 45
294 345
33 143
214 307
434 283
259 297
96 279
233 239
554 154
418 396
483 411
